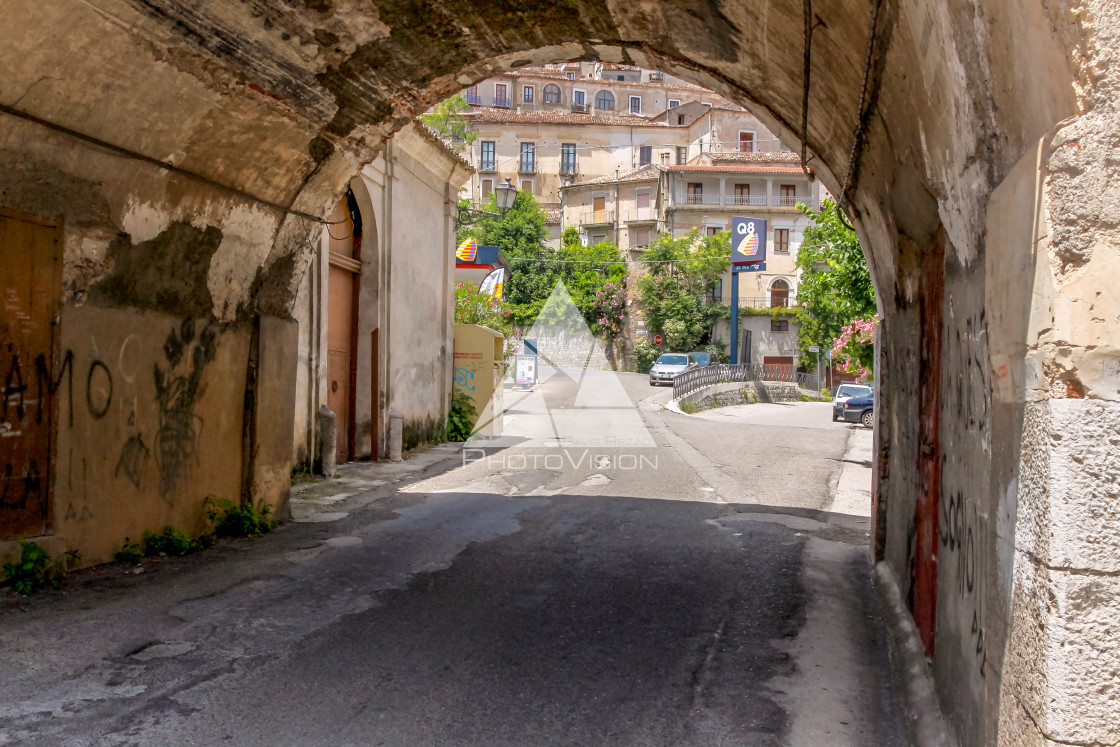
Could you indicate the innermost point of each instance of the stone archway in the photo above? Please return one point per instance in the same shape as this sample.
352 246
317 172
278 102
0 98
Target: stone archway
970 142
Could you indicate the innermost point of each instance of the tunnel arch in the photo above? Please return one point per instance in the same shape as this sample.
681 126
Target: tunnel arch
969 142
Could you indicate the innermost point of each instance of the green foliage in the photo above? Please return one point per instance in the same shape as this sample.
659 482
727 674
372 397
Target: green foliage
461 418
690 408
233 520
447 120
535 269
171 541
474 307
130 552
673 290
34 570
645 353
835 286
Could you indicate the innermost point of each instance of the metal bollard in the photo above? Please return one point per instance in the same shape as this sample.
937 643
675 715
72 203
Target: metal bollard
396 435
328 441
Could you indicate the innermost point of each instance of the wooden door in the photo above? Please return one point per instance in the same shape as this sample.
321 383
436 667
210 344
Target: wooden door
341 328
642 199
746 142
31 286
599 206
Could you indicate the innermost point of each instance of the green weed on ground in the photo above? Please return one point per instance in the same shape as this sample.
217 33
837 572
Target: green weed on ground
34 570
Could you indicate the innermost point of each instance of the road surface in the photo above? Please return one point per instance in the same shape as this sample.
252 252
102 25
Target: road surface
604 578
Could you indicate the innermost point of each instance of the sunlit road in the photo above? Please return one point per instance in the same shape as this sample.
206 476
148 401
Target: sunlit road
643 579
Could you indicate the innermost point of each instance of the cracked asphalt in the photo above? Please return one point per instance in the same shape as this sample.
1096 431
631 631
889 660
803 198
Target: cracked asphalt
718 593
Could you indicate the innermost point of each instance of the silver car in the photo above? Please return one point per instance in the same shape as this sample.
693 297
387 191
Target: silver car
845 392
668 366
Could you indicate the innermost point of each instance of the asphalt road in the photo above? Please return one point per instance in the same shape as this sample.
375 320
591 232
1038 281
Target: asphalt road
648 578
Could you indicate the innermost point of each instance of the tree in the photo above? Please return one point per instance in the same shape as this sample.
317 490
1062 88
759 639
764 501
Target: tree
447 120
835 286
673 291
535 269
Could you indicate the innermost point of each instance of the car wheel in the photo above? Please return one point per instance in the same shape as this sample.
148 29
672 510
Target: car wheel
868 419
834 418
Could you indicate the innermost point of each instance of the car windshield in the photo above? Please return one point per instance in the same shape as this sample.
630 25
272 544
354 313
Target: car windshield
701 357
673 360
853 391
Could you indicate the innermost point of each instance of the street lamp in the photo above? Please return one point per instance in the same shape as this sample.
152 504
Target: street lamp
504 196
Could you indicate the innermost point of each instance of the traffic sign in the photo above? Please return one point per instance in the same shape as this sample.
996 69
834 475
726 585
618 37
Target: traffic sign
657 339
814 349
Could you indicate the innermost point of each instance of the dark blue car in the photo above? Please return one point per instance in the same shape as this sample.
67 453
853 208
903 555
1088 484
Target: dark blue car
861 410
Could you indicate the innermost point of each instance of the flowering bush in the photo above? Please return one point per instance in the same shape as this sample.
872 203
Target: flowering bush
610 310
472 307
854 349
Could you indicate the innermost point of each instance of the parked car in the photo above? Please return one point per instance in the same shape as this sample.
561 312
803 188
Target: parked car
668 366
702 359
845 392
861 410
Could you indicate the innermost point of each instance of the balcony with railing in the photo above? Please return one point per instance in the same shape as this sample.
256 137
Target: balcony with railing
790 200
474 98
503 102
591 217
641 215
699 198
777 300
745 200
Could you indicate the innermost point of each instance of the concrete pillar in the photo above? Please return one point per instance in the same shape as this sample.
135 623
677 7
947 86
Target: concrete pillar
1054 336
770 192
396 435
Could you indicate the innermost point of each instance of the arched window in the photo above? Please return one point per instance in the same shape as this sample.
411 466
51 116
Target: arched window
779 293
552 94
604 100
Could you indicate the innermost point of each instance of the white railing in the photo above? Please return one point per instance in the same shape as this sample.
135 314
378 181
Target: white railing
746 200
594 217
641 214
788 201
699 199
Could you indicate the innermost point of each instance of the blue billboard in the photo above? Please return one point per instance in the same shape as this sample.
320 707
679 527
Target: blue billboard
748 244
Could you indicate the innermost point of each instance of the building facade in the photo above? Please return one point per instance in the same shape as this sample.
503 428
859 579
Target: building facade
363 350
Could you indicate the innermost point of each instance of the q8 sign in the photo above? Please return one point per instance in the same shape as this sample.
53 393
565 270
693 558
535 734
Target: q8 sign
748 244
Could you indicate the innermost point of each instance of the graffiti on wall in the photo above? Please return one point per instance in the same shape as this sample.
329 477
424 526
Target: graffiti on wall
106 384
962 525
178 387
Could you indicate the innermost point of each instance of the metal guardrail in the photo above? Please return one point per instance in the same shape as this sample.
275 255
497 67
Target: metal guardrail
689 381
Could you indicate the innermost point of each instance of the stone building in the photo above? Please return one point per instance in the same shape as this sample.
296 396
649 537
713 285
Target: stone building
362 349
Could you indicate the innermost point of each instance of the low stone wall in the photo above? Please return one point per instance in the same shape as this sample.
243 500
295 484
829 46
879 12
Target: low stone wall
741 393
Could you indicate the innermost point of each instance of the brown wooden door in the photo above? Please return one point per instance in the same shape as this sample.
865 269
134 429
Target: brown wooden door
746 142
30 291
599 206
341 328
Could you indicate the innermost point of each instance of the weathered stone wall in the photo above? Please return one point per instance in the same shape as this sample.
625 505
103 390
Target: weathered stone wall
276 107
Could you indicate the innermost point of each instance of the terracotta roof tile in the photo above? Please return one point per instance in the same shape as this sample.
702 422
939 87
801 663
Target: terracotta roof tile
649 172
758 157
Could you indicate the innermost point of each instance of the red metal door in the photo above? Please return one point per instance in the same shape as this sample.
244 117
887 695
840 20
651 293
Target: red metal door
30 287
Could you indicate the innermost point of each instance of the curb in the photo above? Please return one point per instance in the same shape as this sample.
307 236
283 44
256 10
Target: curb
913 679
